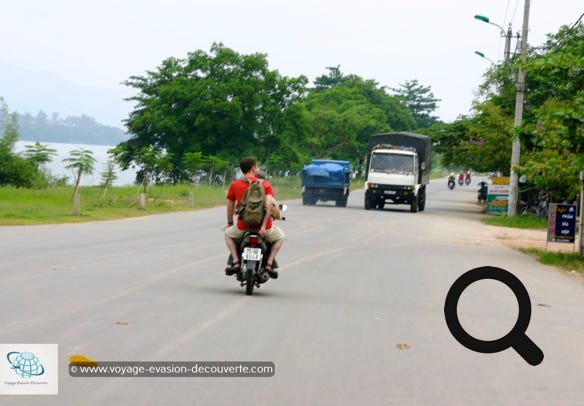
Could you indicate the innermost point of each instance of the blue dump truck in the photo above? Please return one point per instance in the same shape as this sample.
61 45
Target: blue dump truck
326 180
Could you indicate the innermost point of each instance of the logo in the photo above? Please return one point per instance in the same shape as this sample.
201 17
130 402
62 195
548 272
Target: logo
25 364
29 369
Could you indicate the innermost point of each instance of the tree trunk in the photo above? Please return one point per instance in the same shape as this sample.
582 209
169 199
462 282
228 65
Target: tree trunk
76 204
76 197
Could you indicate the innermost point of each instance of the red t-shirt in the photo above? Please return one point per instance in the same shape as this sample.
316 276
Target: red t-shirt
235 193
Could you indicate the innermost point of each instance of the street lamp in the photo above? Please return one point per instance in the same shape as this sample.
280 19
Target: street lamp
479 53
507 35
519 100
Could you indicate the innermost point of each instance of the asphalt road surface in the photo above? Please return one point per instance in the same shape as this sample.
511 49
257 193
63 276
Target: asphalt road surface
356 317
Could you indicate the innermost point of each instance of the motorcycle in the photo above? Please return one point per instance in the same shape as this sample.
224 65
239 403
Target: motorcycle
467 180
254 253
482 192
461 179
451 184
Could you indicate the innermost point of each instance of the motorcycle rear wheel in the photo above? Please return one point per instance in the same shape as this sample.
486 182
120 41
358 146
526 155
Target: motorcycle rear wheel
249 281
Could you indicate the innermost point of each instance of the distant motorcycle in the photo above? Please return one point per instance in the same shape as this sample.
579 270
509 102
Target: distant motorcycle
451 184
467 180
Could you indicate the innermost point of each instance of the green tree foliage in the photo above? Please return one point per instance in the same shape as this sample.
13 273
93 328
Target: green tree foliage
15 170
39 155
481 142
342 111
221 104
553 139
420 101
108 175
81 161
552 133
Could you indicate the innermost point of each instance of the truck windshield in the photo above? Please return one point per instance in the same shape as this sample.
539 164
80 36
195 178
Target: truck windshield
392 163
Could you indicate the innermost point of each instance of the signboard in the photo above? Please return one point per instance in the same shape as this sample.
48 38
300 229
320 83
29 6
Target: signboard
497 199
562 223
501 180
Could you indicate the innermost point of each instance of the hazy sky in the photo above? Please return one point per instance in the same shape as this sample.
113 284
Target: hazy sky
99 44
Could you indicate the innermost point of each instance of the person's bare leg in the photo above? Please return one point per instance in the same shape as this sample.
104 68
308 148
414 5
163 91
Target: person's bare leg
275 248
232 249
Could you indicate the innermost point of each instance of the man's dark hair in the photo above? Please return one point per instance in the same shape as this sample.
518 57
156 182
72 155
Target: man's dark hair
247 163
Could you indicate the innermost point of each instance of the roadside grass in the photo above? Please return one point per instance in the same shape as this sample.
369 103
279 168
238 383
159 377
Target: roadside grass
567 261
516 222
55 205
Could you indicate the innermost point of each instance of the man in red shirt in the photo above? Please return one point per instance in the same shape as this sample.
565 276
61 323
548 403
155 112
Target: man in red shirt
233 233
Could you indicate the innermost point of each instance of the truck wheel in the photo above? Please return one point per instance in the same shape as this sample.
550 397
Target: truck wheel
341 202
380 204
414 204
422 199
367 203
305 201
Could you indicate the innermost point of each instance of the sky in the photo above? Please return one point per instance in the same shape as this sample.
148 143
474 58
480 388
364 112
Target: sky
70 56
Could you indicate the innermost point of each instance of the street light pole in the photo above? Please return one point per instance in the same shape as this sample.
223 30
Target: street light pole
482 55
507 35
519 99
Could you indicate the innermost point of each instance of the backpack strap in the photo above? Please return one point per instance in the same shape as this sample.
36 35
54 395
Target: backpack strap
249 182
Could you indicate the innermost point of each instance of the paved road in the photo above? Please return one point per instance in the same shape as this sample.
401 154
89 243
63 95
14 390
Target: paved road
356 316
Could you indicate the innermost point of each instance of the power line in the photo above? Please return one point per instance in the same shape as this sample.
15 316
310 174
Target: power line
566 34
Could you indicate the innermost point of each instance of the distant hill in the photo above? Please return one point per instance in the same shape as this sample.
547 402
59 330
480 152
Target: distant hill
85 113
71 130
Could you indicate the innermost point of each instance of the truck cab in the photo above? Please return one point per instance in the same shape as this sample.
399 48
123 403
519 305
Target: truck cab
397 170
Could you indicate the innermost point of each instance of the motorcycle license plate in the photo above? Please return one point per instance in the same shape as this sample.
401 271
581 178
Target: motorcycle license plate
389 192
252 254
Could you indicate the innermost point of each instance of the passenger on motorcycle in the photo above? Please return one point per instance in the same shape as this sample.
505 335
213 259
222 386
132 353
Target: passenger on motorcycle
234 232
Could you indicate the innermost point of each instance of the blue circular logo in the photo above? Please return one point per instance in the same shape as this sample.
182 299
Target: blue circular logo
25 364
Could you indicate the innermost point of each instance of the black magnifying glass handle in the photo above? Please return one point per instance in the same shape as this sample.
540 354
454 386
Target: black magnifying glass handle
528 350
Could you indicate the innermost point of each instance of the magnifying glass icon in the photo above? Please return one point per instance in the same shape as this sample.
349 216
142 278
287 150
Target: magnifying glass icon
516 338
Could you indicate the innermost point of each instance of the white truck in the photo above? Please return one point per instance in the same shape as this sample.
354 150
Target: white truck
398 170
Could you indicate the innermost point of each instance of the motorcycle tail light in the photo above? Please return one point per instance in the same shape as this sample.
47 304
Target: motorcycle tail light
253 240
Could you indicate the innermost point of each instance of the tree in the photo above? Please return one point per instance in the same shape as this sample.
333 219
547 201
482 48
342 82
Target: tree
15 170
420 101
10 127
81 161
192 162
215 164
222 103
552 133
39 155
342 111
108 176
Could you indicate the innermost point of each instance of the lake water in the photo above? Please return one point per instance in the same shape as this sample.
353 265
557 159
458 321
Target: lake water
57 166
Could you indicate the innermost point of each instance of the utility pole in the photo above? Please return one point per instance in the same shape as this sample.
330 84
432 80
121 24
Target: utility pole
508 43
520 96
582 214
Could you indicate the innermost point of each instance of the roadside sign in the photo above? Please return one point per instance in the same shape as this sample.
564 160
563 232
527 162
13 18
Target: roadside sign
561 223
503 180
497 199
